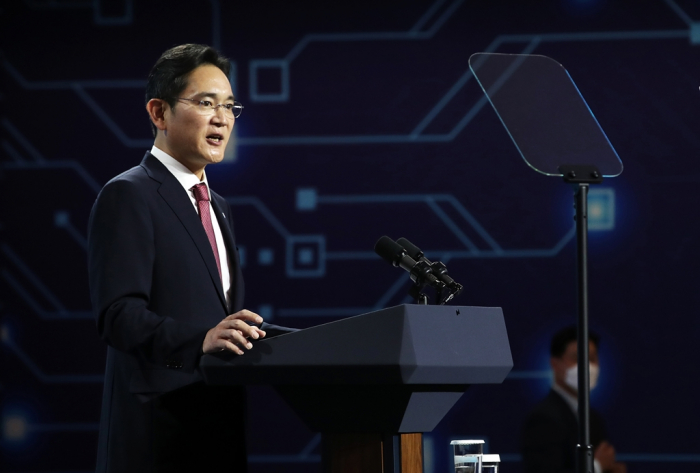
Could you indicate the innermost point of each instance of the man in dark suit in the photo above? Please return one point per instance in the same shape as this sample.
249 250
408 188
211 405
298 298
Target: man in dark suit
166 283
550 435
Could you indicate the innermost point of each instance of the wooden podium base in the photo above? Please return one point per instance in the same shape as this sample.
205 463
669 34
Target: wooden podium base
372 453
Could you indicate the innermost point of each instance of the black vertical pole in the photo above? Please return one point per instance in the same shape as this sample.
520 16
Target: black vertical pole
584 450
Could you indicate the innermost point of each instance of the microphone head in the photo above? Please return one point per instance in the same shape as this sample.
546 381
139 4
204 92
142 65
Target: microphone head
412 250
389 250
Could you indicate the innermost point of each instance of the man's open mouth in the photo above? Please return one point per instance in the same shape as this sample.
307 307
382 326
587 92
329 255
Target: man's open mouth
215 138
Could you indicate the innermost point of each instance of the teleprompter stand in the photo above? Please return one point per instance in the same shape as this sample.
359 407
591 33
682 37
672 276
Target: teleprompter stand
374 382
557 135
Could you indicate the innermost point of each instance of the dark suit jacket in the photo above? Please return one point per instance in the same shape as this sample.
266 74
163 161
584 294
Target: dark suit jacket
156 292
550 436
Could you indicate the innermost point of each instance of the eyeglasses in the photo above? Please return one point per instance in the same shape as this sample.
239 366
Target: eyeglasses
207 107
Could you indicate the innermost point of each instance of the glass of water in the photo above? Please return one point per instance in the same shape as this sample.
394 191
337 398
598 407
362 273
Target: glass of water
468 455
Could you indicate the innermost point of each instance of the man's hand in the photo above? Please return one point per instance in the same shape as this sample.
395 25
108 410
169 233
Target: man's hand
619 468
605 455
233 332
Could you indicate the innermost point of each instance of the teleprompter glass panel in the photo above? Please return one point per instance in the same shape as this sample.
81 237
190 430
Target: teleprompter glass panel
544 113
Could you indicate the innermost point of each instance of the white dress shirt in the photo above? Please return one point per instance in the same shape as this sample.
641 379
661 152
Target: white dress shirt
188 180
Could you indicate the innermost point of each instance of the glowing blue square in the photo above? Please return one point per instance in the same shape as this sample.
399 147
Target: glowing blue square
61 219
695 33
266 256
306 199
265 311
306 256
279 64
601 209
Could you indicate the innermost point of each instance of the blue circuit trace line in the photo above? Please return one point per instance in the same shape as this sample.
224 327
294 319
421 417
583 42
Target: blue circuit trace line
262 208
413 34
215 24
533 41
12 151
33 278
679 11
39 162
524 374
432 200
62 220
74 165
48 378
60 312
21 139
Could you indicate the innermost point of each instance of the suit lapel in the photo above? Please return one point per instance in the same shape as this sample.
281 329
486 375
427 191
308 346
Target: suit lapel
175 196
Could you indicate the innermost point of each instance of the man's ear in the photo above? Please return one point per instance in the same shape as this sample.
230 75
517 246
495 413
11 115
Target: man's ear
554 363
156 110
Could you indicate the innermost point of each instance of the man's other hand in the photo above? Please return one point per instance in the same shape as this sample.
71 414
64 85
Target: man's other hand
233 333
605 455
619 468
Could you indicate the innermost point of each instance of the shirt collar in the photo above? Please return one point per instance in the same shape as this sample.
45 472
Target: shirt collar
572 401
185 177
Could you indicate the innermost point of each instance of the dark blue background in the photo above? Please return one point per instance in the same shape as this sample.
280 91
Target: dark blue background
334 150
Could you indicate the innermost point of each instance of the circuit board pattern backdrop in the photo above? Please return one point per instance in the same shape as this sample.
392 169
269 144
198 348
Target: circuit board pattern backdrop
363 119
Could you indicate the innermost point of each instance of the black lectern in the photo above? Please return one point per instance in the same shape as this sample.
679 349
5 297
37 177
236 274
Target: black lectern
367 379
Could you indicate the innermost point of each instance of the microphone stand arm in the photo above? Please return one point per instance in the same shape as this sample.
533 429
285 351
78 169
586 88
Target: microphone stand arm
416 292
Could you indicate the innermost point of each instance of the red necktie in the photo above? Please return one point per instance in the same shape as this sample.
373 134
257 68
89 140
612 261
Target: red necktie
202 196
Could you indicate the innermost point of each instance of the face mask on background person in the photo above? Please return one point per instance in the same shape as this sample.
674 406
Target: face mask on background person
571 379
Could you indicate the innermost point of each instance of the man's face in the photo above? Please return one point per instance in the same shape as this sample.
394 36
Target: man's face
568 360
194 139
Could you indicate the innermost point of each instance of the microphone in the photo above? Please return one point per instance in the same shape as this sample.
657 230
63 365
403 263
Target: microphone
396 255
437 268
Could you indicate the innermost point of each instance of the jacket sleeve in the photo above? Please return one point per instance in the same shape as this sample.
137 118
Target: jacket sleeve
276 330
121 255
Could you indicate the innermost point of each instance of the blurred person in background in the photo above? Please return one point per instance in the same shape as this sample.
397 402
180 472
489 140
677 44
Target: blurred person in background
550 433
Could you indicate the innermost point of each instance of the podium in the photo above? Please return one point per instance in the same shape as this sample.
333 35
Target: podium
374 382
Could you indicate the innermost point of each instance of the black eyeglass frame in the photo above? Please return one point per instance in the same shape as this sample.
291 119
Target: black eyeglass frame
236 108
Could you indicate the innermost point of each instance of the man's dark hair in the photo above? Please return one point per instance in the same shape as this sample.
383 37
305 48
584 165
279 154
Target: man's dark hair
168 77
563 337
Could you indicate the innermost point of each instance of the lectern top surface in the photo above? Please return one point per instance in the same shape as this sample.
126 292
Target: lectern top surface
407 344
